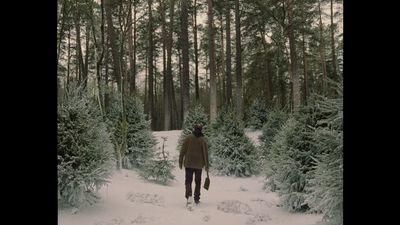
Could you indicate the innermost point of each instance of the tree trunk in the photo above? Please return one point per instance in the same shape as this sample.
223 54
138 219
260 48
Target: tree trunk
282 87
155 96
174 110
185 57
68 57
270 79
181 117
86 63
207 73
222 66
106 88
196 54
268 75
62 27
113 43
213 85
146 87
166 103
335 76
133 81
168 82
322 50
132 59
124 31
239 91
228 53
305 70
150 65
80 65
171 88
293 59
99 61
59 92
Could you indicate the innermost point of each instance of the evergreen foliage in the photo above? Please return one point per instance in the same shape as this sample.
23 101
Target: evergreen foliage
258 115
326 184
132 137
275 120
84 150
159 168
231 152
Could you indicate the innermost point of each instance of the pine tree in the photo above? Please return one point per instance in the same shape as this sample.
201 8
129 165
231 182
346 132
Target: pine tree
84 150
305 160
326 184
140 140
117 127
275 120
132 137
288 164
159 168
258 115
231 152
195 116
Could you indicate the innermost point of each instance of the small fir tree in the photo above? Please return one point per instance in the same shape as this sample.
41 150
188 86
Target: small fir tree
140 141
159 168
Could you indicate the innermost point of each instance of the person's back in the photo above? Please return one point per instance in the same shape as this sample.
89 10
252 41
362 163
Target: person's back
194 156
193 152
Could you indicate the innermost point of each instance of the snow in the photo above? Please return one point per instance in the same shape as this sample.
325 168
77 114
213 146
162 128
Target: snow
128 199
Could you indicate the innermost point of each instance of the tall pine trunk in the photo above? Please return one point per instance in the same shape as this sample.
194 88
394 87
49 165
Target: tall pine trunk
106 88
181 117
322 51
150 65
80 66
213 85
170 84
86 63
185 57
305 69
99 61
222 66
68 58
239 88
335 75
268 74
166 87
131 39
63 15
293 59
196 54
228 53
113 43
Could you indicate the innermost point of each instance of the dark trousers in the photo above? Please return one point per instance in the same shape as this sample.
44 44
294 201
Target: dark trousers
188 182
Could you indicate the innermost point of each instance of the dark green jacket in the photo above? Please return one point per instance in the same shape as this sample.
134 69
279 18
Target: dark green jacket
192 154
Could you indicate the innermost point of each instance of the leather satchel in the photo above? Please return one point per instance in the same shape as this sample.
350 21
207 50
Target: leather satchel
207 182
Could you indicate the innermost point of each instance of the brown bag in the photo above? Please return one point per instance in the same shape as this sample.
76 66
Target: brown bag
207 182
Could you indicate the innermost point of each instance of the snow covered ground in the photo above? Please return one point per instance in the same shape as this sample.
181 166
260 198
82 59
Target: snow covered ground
128 199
